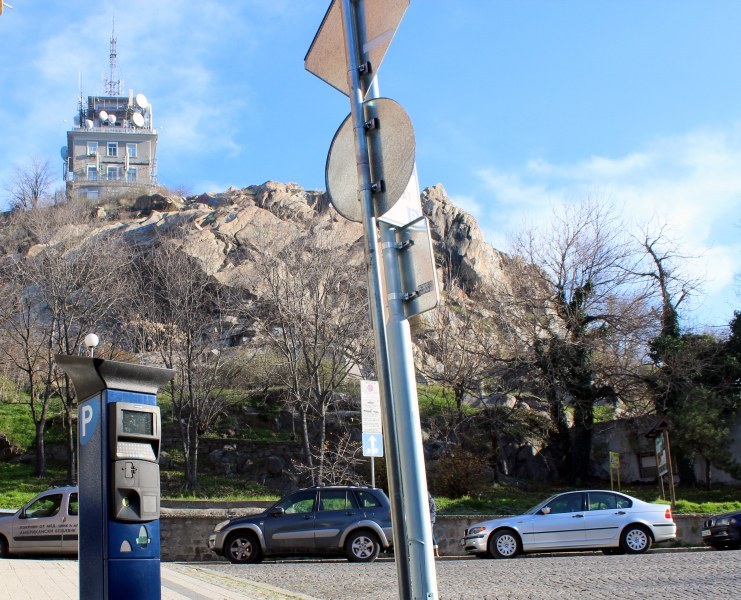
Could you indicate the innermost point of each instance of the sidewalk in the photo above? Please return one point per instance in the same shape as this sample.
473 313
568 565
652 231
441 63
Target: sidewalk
22 579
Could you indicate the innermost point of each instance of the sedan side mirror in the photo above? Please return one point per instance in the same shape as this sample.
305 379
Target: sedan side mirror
546 510
278 512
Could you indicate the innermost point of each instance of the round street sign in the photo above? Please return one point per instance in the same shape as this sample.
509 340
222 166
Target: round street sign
391 147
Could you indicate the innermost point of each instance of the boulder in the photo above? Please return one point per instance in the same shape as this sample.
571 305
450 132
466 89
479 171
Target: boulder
159 202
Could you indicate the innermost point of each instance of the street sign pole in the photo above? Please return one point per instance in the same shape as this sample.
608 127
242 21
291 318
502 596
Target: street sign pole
409 432
357 91
417 529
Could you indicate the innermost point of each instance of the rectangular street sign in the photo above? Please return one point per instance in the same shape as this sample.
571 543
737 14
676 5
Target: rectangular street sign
417 266
370 407
373 445
327 58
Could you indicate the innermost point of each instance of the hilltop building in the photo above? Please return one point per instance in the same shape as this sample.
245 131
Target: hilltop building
113 144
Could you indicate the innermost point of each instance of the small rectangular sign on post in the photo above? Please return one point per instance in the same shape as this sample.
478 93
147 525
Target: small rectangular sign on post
661 465
370 407
373 445
614 466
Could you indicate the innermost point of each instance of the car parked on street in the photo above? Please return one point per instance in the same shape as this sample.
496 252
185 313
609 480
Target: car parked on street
47 524
723 531
333 520
600 519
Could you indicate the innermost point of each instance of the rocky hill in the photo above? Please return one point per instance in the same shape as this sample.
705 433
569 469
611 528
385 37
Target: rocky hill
228 231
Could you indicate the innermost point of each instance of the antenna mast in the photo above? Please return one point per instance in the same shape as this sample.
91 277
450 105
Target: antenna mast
111 85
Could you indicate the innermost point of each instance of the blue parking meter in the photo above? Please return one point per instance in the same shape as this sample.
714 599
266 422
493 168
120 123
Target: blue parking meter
119 436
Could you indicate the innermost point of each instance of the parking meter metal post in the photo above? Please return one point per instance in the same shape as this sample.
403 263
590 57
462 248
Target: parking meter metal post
119 435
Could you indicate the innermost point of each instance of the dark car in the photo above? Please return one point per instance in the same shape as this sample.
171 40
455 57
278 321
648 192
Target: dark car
350 520
723 531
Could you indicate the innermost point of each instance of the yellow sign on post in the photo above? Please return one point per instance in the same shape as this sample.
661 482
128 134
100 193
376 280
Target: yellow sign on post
614 466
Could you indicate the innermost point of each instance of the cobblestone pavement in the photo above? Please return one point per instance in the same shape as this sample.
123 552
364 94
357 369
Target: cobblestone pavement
676 575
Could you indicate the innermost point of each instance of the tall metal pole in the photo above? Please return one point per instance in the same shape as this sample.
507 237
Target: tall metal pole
412 528
352 24
413 474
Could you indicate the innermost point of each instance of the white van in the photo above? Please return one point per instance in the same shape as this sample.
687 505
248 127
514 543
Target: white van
48 524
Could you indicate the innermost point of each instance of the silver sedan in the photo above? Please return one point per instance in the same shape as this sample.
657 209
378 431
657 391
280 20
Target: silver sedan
614 522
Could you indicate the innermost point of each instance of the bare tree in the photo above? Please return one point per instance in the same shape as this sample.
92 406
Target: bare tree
662 266
338 464
579 298
30 187
27 348
313 314
458 346
179 313
61 288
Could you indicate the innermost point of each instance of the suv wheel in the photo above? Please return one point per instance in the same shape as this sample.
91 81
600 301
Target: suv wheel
242 547
362 546
635 539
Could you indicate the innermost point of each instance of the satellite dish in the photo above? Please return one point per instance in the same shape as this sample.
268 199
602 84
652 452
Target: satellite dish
138 119
103 115
141 101
63 152
89 123
111 119
77 120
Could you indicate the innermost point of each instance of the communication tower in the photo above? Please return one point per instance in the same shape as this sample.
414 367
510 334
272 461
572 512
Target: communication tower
112 146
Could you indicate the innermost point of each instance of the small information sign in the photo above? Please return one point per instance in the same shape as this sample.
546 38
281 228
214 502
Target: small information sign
370 407
373 445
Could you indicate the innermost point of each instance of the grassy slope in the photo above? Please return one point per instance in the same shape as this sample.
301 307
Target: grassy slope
17 484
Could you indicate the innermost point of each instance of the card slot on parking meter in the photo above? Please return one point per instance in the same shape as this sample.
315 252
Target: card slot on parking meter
134 450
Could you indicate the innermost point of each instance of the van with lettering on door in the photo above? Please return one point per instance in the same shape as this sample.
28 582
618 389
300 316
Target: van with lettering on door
45 525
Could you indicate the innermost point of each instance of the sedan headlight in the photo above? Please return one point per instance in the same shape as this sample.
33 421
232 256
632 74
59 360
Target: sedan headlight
220 526
721 522
475 530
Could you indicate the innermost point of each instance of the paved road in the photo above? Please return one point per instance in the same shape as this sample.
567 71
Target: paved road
677 575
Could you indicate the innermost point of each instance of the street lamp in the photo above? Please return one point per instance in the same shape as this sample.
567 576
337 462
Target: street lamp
91 341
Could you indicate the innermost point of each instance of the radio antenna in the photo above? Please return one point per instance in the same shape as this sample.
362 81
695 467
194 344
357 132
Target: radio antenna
111 85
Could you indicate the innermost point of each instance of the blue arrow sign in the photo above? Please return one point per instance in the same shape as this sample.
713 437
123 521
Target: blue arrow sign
373 444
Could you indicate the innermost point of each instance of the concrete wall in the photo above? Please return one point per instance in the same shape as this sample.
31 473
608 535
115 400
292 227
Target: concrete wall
184 532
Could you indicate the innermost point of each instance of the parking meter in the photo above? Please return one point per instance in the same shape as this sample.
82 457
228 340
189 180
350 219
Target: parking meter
119 438
134 438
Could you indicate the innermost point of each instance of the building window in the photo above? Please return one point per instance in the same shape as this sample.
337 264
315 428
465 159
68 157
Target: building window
131 150
112 148
91 194
92 148
92 173
112 173
131 175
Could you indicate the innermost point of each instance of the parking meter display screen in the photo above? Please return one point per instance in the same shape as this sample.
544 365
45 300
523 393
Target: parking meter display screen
136 422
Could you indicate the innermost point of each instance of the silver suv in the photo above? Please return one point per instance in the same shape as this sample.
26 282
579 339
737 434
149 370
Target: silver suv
47 524
350 520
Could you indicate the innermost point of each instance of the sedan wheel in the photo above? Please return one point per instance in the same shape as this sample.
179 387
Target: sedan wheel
504 544
3 548
242 548
362 546
635 540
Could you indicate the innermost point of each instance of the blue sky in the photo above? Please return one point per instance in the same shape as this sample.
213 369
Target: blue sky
517 105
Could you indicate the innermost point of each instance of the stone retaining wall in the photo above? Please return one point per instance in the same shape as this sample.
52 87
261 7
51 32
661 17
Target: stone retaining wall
184 532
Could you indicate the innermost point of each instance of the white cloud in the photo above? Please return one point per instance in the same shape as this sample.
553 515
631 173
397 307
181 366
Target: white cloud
692 183
467 203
